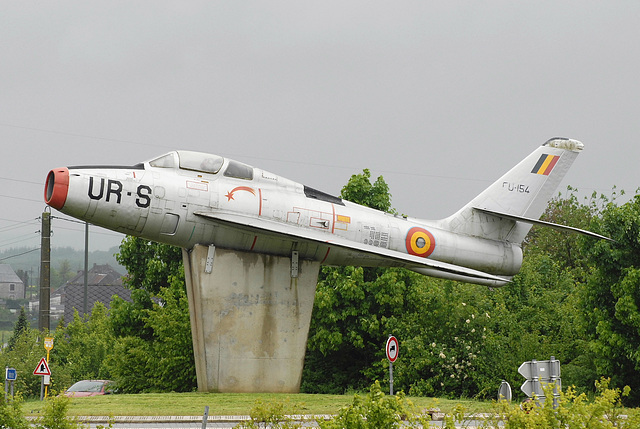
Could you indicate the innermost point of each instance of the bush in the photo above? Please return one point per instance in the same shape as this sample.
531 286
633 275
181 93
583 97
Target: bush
270 415
572 411
11 416
55 415
377 410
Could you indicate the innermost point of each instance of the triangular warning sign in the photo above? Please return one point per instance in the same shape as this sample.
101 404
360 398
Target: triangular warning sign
42 368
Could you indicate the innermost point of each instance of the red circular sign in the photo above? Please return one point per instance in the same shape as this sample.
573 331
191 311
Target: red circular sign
420 242
392 349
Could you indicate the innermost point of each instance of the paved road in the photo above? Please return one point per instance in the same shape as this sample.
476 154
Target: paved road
195 422
168 422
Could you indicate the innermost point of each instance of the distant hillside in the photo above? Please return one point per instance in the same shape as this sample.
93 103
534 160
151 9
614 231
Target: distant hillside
28 259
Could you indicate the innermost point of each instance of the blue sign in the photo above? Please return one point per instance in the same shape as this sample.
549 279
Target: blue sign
12 374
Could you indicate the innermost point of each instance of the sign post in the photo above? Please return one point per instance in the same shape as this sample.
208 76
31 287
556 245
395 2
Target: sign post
42 369
392 355
538 373
10 376
504 392
48 345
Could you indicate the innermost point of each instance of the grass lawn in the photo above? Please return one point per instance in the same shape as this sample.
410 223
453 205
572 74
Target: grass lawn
192 404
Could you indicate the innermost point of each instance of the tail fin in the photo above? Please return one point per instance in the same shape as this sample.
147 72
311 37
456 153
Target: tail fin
506 209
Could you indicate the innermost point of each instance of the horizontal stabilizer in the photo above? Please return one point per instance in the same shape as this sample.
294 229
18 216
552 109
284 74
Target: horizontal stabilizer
541 223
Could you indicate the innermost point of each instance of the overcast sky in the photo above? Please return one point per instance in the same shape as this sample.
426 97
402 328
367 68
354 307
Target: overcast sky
438 97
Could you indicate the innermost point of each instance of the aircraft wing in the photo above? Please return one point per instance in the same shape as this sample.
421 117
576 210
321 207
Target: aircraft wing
268 227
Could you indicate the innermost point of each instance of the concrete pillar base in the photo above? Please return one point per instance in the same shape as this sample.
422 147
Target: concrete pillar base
249 319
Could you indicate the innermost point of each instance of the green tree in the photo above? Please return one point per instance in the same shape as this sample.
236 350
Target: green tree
444 337
174 361
21 325
351 321
152 333
540 314
149 264
535 317
27 351
611 298
130 364
563 247
82 346
456 338
361 191
352 310
62 274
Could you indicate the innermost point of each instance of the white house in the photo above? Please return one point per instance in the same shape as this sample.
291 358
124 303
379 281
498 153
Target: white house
11 286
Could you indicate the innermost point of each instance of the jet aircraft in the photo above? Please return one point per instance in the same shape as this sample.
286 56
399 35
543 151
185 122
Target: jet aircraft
184 198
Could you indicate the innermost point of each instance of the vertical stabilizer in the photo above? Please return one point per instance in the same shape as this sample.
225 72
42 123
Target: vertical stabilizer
524 191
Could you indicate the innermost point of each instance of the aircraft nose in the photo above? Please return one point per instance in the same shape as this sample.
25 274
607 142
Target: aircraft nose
57 187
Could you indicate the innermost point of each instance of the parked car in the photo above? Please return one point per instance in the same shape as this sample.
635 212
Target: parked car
90 388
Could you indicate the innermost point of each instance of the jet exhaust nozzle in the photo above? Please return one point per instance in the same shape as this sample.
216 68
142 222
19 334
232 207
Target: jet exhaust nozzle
56 188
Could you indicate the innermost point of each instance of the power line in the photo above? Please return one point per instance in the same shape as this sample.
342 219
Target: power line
381 171
20 198
18 225
21 181
19 254
19 221
14 240
68 220
66 133
113 234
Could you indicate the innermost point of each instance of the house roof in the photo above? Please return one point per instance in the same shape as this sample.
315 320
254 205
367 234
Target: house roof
98 275
7 275
103 282
74 297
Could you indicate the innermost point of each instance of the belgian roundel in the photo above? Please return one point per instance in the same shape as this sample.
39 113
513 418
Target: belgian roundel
420 242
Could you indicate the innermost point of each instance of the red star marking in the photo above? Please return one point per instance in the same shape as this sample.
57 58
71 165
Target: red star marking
229 195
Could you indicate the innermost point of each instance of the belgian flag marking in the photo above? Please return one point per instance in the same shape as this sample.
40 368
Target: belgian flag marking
545 164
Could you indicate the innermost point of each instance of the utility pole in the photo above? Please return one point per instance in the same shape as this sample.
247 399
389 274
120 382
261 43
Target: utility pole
86 267
45 272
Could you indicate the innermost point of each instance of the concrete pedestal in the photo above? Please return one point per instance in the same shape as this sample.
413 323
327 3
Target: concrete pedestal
249 319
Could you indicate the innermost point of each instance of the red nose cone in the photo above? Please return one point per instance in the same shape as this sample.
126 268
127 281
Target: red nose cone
57 187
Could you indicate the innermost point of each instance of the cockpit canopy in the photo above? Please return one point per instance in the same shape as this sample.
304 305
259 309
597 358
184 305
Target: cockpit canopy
203 162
